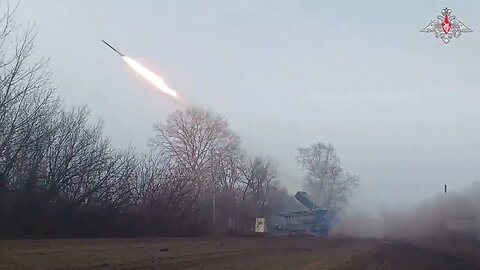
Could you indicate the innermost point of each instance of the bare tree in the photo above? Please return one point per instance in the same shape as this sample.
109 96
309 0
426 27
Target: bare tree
200 143
59 174
259 173
226 168
325 178
152 176
26 98
206 158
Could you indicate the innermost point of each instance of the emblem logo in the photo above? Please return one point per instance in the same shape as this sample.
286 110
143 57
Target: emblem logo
446 26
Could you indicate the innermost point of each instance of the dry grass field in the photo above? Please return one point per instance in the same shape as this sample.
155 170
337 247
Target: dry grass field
299 253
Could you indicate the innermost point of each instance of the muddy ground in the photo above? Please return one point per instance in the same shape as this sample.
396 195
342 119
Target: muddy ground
299 253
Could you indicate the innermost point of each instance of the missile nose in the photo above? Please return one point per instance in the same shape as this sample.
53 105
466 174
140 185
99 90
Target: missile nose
111 47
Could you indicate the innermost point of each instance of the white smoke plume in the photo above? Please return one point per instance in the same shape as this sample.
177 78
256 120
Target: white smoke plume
447 215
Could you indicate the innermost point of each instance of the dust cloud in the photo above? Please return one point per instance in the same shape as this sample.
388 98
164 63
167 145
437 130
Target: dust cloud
446 215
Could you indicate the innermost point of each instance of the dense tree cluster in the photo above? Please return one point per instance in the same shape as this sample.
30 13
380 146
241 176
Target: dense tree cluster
60 176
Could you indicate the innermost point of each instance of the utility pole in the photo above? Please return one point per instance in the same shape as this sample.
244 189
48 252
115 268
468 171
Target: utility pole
213 203
213 198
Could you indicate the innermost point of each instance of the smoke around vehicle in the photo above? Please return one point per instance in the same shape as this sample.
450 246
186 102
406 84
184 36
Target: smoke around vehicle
446 215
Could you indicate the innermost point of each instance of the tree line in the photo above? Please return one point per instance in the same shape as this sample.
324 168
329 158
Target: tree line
60 176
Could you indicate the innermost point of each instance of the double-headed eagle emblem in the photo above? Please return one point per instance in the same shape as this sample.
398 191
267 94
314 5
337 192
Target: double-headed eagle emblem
446 26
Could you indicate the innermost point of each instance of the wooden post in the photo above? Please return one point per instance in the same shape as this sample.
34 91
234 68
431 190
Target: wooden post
213 202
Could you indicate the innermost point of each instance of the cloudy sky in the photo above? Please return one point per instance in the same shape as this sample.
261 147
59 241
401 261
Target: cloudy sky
400 106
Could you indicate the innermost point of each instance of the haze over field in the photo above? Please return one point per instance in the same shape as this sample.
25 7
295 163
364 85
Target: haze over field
400 106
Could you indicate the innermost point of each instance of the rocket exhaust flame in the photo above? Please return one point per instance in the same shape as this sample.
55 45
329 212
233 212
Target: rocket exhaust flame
145 73
149 76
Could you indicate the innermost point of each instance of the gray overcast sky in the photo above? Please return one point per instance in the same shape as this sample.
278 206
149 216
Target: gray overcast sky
399 105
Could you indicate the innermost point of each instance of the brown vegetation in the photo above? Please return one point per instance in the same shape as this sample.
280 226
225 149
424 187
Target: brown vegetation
60 176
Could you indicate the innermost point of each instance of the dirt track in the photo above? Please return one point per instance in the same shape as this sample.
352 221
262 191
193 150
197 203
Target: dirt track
237 253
